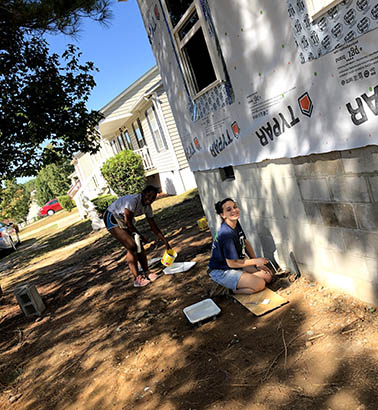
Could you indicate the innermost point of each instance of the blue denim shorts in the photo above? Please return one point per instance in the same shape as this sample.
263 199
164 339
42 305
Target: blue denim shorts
227 278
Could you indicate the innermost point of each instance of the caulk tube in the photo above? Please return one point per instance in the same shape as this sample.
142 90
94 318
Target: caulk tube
138 242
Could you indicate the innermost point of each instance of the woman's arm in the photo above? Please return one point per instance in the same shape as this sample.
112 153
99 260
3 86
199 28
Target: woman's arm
242 263
129 220
156 230
249 250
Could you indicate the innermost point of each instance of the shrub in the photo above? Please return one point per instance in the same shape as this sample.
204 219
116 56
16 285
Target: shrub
124 173
102 202
66 202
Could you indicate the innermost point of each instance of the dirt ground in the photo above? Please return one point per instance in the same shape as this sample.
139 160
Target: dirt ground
103 344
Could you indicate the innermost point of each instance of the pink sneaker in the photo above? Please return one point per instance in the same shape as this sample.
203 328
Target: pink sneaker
152 276
141 281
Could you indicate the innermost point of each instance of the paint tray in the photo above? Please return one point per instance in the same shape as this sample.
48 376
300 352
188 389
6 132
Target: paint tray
178 267
201 311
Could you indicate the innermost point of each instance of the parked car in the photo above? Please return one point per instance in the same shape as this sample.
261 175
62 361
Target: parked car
9 235
50 208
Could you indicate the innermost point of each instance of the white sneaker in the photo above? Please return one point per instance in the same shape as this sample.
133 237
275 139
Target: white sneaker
141 281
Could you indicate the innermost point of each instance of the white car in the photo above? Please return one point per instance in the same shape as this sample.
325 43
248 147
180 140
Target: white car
8 236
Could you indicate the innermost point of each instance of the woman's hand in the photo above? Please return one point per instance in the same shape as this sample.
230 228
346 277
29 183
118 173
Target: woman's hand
261 262
264 268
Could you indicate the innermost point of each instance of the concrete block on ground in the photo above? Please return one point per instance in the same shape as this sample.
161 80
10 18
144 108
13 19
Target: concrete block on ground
338 215
29 300
367 216
314 189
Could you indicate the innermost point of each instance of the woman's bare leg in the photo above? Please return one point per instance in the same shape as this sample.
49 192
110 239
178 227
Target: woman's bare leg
252 282
128 242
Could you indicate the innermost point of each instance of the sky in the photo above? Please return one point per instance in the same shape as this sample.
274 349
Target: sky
121 51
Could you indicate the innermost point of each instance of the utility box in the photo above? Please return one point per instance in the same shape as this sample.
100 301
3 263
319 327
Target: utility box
29 300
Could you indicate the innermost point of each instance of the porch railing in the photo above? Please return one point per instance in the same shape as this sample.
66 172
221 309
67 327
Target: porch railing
146 157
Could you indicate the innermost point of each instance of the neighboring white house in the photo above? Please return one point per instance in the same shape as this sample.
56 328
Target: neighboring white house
276 103
139 119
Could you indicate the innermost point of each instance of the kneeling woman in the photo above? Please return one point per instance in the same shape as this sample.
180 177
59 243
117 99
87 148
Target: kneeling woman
228 264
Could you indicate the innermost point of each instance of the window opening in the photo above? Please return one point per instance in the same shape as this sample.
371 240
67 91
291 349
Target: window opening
193 42
138 132
198 60
156 129
121 142
113 146
127 138
192 20
198 55
227 173
176 9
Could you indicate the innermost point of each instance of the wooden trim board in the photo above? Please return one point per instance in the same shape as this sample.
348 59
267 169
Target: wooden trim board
261 302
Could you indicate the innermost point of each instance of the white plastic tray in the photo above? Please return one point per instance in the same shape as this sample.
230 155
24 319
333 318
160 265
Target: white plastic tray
201 311
178 267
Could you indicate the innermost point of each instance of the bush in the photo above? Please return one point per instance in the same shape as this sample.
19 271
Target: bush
66 202
102 202
124 173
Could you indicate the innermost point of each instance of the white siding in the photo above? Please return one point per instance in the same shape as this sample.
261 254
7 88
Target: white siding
173 132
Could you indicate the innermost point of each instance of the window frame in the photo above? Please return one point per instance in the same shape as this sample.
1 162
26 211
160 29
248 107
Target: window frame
139 126
159 127
127 140
114 145
227 173
121 141
317 8
180 44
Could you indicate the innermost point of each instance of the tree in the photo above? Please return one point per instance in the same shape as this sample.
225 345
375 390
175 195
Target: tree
124 173
43 192
52 181
30 185
42 97
14 202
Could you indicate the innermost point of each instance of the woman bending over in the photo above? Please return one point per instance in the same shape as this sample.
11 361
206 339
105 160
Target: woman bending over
233 263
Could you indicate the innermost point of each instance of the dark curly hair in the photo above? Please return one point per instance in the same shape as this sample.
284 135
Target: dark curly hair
150 188
219 205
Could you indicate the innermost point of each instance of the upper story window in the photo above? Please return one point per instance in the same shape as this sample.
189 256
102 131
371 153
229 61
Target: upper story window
196 49
138 132
316 8
156 129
